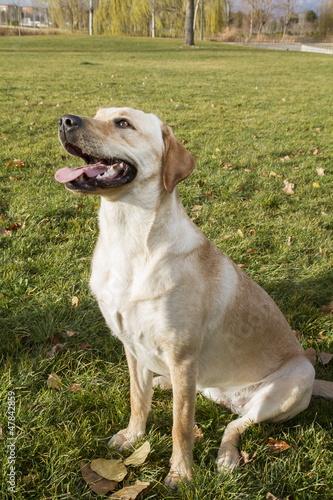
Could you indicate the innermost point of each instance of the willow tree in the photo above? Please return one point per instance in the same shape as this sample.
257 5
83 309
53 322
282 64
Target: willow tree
214 18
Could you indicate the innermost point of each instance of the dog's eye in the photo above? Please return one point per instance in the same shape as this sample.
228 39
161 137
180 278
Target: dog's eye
122 123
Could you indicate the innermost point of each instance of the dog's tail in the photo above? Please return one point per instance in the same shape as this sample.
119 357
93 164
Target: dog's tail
323 388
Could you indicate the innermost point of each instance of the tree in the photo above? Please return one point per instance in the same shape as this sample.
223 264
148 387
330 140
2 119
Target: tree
189 18
326 18
289 7
311 16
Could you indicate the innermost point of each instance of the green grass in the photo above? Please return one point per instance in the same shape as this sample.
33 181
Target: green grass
230 105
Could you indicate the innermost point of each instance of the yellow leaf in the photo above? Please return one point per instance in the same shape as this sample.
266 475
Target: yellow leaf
75 301
240 232
111 469
54 381
139 455
130 492
288 187
316 185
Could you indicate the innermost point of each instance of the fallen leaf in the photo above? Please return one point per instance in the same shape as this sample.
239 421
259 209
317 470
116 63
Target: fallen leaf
317 151
5 231
198 434
245 458
9 164
288 187
274 174
56 348
71 334
240 232
109 468
56 338
83 346
76 387
328 308
75 301
242 266
14 178
325 357
276 446
270 496
320 171
196 207
289 241
13 226
19 163
130 492
96 483
53 381
316 185
138 456
0 432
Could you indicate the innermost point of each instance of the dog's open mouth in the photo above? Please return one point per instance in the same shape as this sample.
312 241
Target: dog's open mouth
98 173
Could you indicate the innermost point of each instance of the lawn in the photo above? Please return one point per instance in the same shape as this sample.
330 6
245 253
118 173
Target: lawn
257 122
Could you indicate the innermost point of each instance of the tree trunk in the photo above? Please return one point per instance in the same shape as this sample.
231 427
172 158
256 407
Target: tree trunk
251 25
153 21
91 13
189 17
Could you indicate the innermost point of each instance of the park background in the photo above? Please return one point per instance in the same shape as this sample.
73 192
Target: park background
259 124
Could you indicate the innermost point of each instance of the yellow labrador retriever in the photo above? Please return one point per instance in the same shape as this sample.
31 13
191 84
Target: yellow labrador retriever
182 309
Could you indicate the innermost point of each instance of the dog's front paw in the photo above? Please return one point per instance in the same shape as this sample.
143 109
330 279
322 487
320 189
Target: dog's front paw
227 458
123 440
174 478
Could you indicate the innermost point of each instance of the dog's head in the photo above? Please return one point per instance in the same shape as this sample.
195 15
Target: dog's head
121 147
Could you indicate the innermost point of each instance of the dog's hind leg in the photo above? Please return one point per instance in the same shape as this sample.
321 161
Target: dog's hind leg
280 396
162 382
140 387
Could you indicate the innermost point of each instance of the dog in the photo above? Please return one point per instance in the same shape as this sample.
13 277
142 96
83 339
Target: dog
182 309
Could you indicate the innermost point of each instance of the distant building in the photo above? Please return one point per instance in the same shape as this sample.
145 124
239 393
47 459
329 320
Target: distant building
24 13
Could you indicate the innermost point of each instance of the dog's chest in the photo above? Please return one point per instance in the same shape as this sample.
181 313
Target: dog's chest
131 296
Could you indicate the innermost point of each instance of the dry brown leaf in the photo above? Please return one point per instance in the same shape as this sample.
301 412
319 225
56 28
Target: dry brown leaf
71 334
5 231
196 207
56 348
328 308
288 187
245 458
320 171
56 338
242 266
276 446
317 151
325 357
198 434
109 468
0 432
270 496
138 456
76 387
130 492
96 483
83 346
54 381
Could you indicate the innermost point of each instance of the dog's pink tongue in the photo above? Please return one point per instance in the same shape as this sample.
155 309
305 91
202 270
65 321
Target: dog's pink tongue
69 174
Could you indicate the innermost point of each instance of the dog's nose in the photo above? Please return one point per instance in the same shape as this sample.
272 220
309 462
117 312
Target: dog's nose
68 122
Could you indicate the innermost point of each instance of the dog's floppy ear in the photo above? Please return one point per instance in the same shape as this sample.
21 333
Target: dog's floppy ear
178 163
